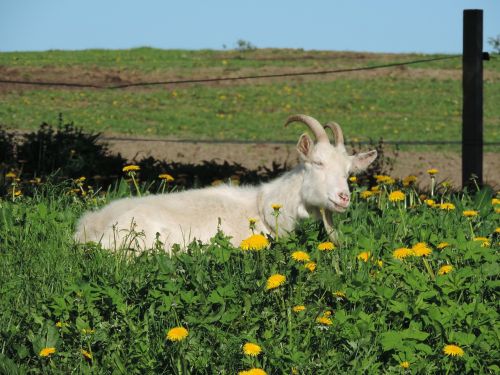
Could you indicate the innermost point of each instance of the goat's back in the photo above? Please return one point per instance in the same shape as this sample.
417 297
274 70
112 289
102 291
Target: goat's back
173 218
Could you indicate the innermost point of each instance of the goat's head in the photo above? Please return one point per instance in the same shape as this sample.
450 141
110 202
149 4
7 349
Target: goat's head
327 166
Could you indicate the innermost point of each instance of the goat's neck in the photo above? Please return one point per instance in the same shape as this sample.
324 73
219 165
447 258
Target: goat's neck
286 191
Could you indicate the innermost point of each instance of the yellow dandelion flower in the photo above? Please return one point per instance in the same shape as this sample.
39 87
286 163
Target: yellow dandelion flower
375 189
495 201
86 354
88 331
408 180
298 308
364 256
255 242
397 196
339 294
47 352
252 221
381 178
10 175
447 268
327 313
252 349
166 177
442 245
405 364
380 263
432 171
131 168
402 253
324 320
390 181
470 213
326 246
430 202
447 206
276 206
453 350
177 334
300 256
253 371
497 210
421 249
366 194
497 230
485 242
275 281
353 179
311 266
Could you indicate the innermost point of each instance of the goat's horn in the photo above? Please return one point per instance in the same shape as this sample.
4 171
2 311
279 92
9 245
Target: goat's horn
337 132
313 124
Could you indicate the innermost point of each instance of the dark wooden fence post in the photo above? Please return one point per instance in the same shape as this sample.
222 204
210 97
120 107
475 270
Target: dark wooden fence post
472 110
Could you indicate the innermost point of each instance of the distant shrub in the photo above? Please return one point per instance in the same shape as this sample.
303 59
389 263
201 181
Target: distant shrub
66 149
243 45
494 42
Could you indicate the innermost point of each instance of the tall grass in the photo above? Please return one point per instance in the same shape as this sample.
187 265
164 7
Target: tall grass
105 312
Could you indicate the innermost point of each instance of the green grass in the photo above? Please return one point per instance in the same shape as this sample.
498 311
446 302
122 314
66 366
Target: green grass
150 59
120 308
395 108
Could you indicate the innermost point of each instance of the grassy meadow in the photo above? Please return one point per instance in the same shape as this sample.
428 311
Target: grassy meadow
411 288
415 102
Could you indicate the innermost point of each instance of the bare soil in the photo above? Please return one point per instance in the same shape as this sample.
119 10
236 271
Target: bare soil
251 155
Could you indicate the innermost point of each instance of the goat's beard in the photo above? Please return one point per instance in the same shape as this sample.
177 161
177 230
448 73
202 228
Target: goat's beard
326 216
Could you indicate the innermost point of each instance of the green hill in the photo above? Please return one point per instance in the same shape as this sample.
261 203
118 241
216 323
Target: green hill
404 103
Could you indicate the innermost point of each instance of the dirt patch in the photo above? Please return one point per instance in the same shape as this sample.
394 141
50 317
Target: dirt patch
251 155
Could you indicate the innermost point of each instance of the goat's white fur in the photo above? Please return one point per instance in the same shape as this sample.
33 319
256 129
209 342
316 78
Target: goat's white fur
316 185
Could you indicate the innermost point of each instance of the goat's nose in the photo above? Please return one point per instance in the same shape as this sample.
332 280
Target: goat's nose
344 197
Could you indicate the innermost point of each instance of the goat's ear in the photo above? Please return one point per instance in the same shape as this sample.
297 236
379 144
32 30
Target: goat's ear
361 161
305 146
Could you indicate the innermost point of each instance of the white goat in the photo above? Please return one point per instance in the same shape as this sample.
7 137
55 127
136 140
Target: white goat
317 184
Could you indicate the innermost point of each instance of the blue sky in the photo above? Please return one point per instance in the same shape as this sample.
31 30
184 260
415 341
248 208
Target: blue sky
426 26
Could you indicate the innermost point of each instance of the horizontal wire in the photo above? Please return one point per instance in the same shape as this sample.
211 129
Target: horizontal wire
222 79
271 142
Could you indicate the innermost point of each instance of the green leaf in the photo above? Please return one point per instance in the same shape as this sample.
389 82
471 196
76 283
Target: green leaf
391 340
414 334
188 296
221 254
424 348
215 297
482 198
463 338
231 314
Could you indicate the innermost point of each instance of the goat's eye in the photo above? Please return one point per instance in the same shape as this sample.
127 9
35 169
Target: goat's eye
318 163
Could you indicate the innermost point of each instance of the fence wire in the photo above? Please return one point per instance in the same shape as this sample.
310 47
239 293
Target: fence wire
222 79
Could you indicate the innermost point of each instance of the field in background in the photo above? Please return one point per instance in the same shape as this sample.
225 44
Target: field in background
415 102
